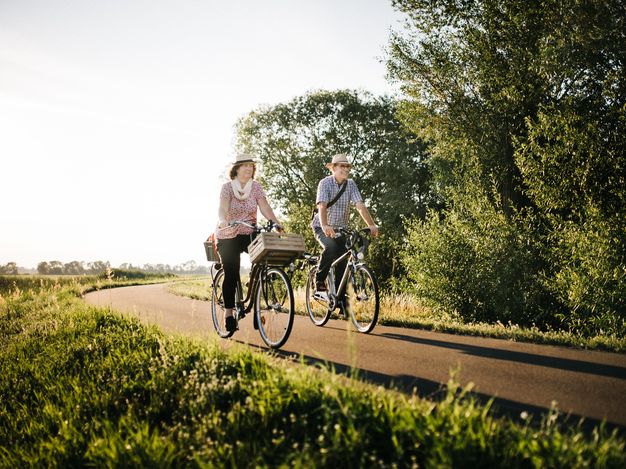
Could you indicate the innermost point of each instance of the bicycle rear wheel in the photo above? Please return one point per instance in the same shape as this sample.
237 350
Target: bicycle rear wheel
363 299
218 313
317 309
274 307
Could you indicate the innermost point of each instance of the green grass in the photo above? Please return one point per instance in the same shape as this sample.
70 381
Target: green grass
404 310
196 288
83 386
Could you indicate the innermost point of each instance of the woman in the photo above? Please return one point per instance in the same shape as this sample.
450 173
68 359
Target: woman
239 200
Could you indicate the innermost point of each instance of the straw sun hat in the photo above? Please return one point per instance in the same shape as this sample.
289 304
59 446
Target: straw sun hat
340 158
243 158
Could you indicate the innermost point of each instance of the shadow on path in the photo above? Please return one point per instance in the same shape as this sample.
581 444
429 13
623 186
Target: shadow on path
435 391
521 357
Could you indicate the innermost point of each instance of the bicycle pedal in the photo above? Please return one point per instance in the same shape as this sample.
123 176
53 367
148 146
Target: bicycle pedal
323 296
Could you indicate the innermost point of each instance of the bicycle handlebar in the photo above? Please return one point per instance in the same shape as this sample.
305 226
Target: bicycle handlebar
258 228
352 236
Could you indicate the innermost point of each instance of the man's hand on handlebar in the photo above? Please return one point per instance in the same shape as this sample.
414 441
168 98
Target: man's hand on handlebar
329 231
373 230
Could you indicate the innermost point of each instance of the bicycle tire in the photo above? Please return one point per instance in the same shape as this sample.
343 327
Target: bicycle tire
217 307
318 311
364 299
274 307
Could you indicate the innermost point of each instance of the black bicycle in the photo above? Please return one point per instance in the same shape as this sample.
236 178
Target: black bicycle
269 291
362 299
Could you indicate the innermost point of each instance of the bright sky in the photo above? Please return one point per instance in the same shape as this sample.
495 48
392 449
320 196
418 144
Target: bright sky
116 116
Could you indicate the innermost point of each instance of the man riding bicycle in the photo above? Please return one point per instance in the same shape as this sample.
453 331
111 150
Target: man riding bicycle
335 193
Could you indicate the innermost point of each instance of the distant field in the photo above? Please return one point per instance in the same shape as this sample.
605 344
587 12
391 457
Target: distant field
85 386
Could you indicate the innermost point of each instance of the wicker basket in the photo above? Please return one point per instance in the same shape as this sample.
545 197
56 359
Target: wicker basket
210 246
276 248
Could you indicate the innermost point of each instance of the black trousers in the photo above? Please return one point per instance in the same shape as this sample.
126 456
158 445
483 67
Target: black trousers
333 248
230 252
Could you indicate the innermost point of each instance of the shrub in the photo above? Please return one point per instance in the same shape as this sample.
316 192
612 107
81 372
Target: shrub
477 262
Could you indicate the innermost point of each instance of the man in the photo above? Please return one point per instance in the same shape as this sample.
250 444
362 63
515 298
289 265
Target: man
332 214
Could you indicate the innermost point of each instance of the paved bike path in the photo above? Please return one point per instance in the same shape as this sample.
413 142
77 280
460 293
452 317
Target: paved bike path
520 376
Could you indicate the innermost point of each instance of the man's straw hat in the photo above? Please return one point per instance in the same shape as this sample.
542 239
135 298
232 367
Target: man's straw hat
340 158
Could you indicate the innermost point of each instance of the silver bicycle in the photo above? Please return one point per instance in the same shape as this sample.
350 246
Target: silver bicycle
362 300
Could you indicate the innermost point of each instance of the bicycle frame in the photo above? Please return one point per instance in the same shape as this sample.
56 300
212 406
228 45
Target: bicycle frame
243 305
362 304
351 265
344 277
256 274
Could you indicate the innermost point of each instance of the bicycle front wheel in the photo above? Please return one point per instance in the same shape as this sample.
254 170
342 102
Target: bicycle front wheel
218 313
274 307
363 299
317 308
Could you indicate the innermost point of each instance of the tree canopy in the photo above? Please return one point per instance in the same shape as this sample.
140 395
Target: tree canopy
295 139
523 106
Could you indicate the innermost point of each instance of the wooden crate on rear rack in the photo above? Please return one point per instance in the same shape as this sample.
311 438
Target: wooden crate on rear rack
276 248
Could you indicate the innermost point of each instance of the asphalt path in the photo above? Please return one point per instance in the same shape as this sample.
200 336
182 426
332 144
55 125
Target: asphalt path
520 377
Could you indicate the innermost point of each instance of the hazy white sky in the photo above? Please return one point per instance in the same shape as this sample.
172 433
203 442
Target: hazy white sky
116 116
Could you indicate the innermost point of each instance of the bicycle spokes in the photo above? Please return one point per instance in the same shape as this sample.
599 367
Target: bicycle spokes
218 312
363 302
317 307
274 293
275 307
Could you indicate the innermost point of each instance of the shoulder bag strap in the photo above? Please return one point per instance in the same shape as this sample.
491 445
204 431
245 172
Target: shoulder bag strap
334 199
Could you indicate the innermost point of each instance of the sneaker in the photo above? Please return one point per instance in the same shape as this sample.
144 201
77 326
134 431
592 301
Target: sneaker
231 324
320 291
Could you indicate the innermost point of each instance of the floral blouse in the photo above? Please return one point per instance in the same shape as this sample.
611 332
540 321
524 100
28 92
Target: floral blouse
241 210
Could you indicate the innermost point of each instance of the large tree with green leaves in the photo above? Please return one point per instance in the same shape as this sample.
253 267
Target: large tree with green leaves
295 139
523 106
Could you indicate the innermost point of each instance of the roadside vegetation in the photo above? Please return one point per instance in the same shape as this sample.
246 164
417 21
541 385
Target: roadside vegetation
81 385
496 173
406 310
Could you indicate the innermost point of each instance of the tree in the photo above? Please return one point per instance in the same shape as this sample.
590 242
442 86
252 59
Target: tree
43 268
97 267
55 268
8 269
294 140
522 103
74 268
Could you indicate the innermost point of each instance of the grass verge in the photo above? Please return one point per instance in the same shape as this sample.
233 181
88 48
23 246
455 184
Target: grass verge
81 385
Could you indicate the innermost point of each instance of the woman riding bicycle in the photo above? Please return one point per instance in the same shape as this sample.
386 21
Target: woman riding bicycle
330 218
239 200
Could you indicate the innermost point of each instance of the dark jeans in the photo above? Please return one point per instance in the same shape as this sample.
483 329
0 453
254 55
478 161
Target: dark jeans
333 248
230 252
